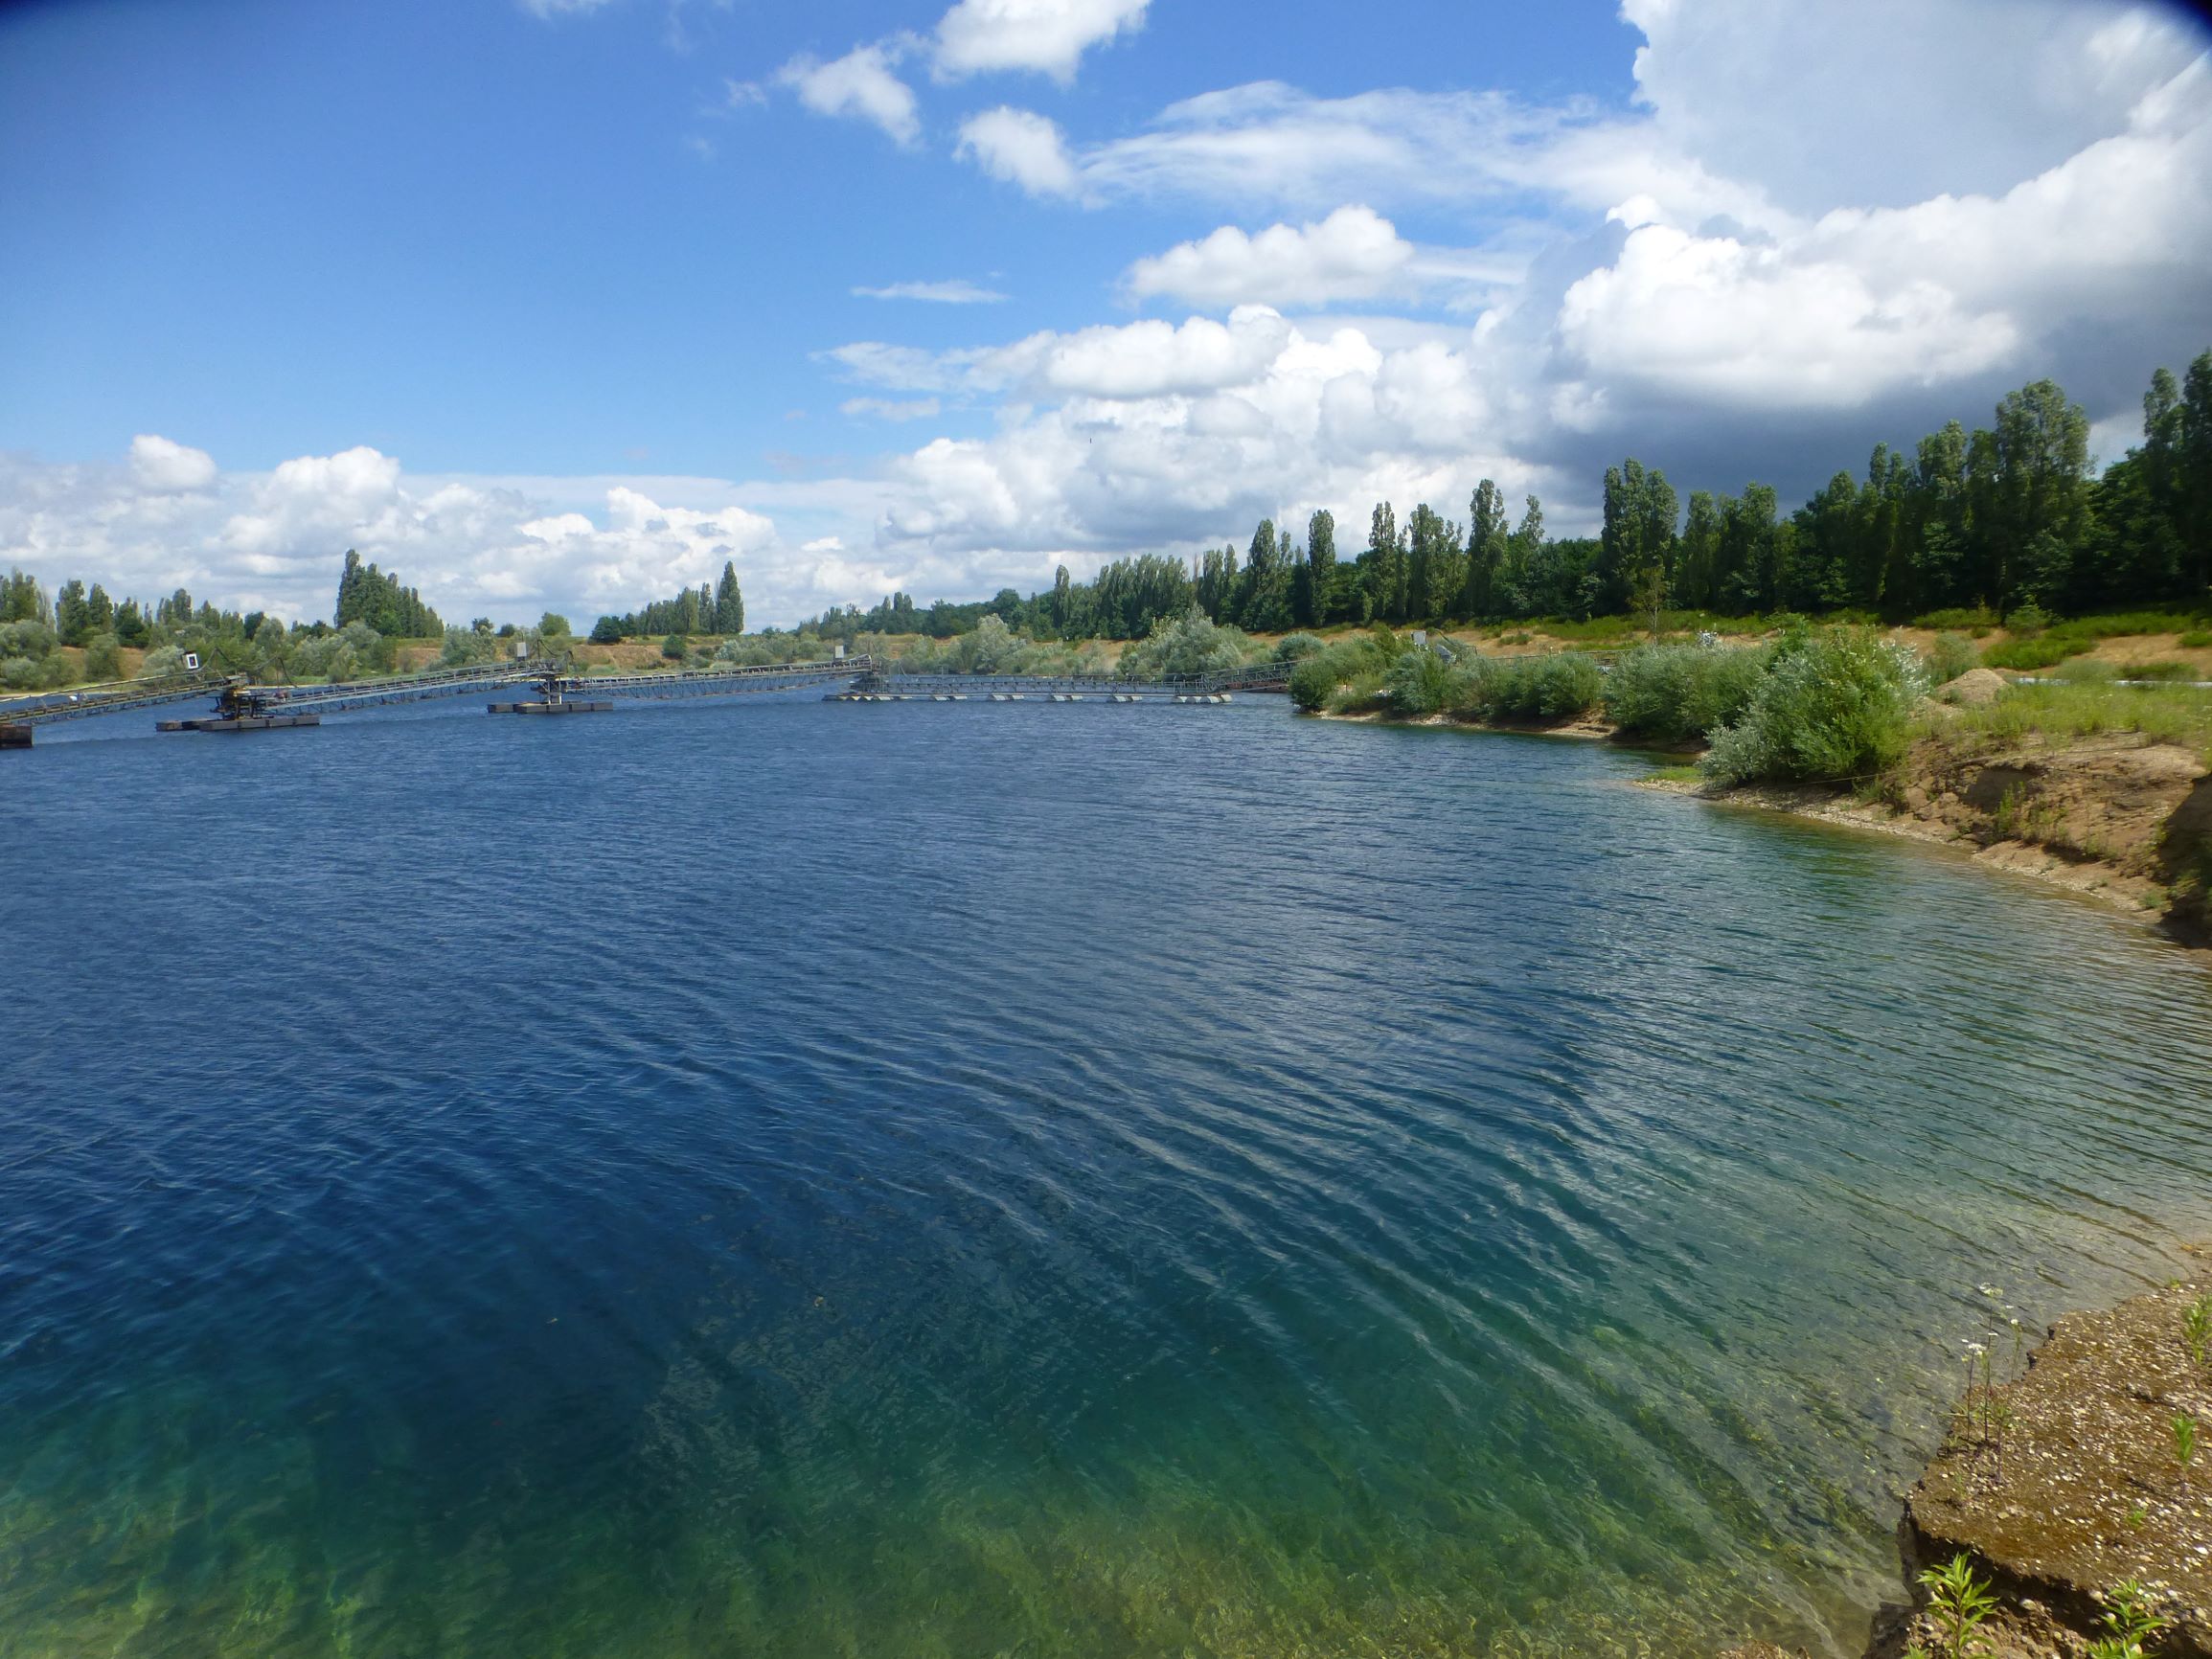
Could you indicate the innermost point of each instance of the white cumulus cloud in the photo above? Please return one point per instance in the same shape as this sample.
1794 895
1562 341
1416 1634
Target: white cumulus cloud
860 85
161 465
1022 147
1048 37
1354 253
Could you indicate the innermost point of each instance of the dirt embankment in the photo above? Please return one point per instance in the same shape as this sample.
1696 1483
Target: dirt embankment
2068 1483
2115 815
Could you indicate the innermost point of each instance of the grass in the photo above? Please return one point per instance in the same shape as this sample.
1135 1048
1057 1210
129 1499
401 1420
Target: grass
2122 623
2179 715
1675 775
2130 1624
1958 1601
2026 657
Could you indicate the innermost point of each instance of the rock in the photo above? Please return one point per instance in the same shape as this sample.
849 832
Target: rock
2075 1487
1973 688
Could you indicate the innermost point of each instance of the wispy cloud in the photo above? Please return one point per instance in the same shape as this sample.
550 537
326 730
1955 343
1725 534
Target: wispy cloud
885 409
960 292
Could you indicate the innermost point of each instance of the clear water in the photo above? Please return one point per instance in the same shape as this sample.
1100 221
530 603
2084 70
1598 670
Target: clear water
783 1179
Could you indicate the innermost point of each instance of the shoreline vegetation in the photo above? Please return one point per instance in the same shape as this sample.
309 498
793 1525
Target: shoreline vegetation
2097 778
1877 657
2069 1509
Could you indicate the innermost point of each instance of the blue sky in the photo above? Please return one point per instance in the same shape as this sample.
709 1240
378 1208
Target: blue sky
559 303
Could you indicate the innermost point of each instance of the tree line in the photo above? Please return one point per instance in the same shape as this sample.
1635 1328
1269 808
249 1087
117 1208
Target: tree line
370 596
373 611
1996 519
719 609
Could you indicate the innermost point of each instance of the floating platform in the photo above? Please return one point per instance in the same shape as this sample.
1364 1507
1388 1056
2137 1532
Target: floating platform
568 706
240 723
14 736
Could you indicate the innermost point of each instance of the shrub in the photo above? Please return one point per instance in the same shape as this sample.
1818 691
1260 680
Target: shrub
1298 646
1419 683
2122 623
1835 707
1948 656
1191 643
104 658
1361 692
1980 617
466 646
28 638
1679 694
1559 686
2196 640
1314 682
2028 655
672 647
2158 670
2087 671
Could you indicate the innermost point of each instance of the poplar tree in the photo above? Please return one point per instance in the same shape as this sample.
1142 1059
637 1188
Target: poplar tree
729 602
1385 563
1319 570
1486 550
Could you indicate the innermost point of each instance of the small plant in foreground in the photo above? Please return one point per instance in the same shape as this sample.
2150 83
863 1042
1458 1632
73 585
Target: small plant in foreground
2185 1438
1958 1603
2127 1616
2197 1329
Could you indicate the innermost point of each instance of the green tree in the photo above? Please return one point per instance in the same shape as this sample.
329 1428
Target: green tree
1637 543
1062 609
1266 606
1435 566
1385 565
72 614
22 599
1698 571
1319 570
2191 489
104 658
1826 530
729 602
2037 494
1486 544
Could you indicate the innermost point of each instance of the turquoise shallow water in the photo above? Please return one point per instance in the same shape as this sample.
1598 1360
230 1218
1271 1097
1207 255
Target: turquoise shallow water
783 1179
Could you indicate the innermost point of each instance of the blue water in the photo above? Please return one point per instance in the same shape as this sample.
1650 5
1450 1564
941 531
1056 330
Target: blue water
943 1181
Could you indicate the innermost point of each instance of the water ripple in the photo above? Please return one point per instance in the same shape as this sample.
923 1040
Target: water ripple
774 1177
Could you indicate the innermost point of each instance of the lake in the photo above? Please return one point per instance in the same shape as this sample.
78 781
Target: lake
772 1177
